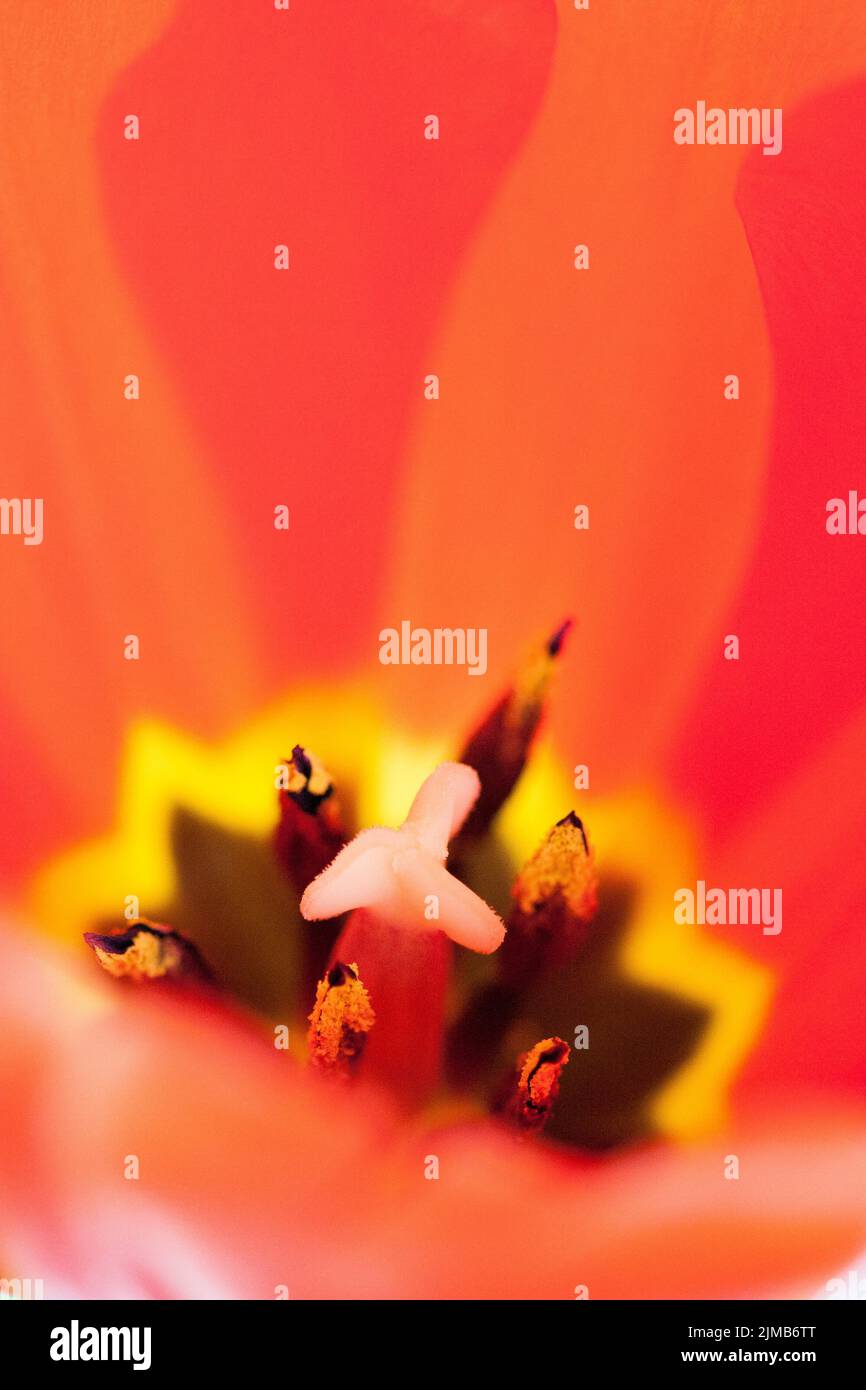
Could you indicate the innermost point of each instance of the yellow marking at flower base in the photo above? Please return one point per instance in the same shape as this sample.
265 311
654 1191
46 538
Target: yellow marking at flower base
642 839
231 784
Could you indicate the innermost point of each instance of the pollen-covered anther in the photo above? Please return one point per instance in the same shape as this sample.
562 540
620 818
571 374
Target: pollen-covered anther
555 900
530 1101
145 951
341 1019
562 865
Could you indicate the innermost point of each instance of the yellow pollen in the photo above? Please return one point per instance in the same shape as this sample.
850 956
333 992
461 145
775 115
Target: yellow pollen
149 957
341 1019
564 864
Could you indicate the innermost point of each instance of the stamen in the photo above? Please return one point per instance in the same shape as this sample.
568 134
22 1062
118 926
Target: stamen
499 747
341 1019
144 951
309 834
309 784
554 645
310 831
555 900
529 1102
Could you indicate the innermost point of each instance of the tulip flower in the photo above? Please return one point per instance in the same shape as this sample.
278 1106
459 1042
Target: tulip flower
237 1136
